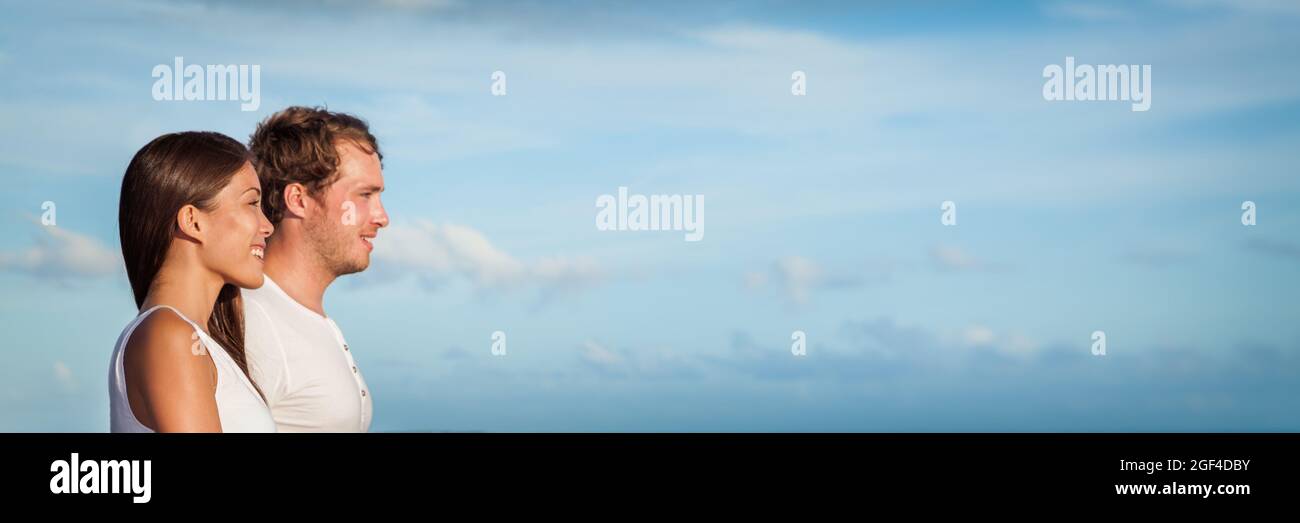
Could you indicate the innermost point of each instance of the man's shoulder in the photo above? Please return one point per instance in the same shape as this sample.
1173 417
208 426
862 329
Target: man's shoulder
260 294
267 361
259 320
261 303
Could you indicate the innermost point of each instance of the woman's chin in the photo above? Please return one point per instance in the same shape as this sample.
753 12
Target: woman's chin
249 281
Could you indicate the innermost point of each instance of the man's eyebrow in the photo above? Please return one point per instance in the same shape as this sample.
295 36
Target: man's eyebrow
373 188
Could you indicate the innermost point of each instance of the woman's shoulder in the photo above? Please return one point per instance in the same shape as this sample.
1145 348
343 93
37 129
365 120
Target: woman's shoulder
167 343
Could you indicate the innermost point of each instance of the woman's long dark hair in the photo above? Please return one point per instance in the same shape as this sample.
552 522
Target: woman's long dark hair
170 172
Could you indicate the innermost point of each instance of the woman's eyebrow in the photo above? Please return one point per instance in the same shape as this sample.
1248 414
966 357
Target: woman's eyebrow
258 189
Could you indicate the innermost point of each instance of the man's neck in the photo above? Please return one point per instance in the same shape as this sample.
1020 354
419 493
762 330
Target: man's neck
299 275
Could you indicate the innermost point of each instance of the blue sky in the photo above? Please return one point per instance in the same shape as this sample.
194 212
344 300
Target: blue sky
822 211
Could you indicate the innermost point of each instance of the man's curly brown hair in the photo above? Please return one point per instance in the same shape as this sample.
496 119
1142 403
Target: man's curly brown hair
299 145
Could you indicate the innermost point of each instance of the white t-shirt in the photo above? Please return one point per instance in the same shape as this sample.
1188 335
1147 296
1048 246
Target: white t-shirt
238 405
303 365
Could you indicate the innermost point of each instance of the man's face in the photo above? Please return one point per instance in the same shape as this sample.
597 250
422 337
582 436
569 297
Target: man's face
352 212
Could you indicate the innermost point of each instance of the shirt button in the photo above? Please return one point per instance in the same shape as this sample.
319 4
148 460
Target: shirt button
345 346
363 393
354 369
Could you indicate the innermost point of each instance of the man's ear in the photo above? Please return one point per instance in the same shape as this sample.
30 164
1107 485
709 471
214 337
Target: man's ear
295 200
191 222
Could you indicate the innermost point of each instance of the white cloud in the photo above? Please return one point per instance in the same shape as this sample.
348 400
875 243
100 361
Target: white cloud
1012 344
63 375
599 355
755 279
62 254
949 257
441 253
660 363
883 348
798 277
766 39
952 258
978 335
1267 7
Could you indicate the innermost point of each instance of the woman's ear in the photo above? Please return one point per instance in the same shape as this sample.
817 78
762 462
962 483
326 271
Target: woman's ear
191 222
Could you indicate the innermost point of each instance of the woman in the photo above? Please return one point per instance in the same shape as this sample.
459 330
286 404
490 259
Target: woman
192 231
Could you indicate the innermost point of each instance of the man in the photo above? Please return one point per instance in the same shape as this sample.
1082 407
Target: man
321 179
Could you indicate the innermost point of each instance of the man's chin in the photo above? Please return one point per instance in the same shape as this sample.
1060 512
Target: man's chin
356 266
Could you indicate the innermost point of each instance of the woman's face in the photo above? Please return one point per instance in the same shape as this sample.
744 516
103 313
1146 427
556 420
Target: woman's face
235 245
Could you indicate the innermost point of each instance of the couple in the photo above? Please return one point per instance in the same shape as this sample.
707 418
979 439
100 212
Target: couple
229 250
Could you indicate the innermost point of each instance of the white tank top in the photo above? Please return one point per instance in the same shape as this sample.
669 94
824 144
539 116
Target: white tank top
239 406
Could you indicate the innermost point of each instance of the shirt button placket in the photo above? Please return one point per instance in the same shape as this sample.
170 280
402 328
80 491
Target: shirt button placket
354 367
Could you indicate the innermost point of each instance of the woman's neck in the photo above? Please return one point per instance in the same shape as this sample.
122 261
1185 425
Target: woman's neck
187 287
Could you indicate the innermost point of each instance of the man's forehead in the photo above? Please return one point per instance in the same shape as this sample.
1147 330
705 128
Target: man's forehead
358 169
355 161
